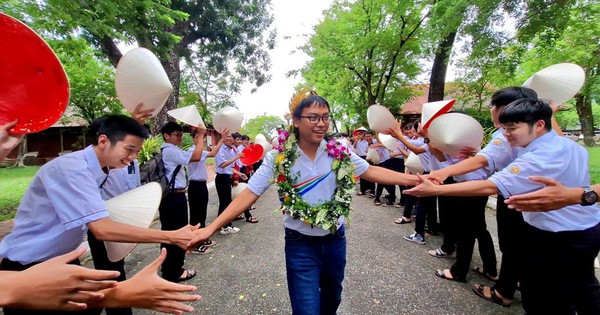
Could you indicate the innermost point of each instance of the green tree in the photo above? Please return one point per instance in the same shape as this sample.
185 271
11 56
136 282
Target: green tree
265 124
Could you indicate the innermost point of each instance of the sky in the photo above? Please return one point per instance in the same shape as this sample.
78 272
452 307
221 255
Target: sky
292 20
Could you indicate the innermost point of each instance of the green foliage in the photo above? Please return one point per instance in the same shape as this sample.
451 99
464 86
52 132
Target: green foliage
594 162
12 187
265 124
150 147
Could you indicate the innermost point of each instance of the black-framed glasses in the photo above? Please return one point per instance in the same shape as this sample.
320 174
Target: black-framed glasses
176 135
316 119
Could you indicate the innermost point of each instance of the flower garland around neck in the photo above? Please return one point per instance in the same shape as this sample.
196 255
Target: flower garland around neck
326 214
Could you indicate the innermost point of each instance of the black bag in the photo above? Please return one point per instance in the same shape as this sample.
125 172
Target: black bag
154 171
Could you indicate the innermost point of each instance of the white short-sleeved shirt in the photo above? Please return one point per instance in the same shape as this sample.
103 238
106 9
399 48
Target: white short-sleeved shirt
239 149
434 163
197 170
384 154
225 154
316 178
558 158
361 147
479 174
173 156
61 200
498 152
121 180
400 146
425 156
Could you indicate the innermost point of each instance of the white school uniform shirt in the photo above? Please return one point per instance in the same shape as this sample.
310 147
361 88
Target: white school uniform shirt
384 154
479 174
225 154
434 163
173 156
498 152
555 157
121 180
425 156
361 147
318 173
239 149
61 200
197 170
400 146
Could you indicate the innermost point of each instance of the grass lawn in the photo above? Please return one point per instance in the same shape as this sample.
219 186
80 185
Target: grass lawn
12 186
594 164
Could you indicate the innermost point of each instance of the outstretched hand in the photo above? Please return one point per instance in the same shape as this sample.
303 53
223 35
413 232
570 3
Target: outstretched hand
141 115
57 285
552 197
8 140
147 290
424 189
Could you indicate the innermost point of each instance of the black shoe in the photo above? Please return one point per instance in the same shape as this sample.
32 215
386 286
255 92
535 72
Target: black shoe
431 232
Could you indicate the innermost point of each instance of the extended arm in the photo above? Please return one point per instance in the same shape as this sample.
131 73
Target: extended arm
470 188
552 197
388 177
460 168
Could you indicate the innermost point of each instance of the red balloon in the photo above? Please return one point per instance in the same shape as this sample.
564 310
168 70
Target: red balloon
252 154
33 84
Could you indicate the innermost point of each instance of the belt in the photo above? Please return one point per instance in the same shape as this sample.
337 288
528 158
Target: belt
178 191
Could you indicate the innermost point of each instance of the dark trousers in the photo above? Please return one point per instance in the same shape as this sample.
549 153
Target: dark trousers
198 201
409 204
365 184
9 265
390 164
451 213
173 216
223 185
470 227
512 236
558 275
426 210
101 262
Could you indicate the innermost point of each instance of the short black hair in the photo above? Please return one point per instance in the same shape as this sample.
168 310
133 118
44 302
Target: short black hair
245 137
415 125
170 127
95 127
510 94
117 127
311 100
370 132
236 135
527 110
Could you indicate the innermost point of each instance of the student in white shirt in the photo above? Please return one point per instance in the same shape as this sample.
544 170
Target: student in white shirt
558 276
315 257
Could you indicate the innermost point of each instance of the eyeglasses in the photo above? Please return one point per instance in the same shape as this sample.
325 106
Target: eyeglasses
176 134
316 119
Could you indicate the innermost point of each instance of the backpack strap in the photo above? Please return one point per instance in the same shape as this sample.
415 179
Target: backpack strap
171 182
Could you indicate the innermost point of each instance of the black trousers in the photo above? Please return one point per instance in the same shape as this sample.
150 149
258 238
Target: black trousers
198 201
390 164
451 213
471 227
9 265
173 216
101 262
425 210
558 275
365 184
512 236
223 185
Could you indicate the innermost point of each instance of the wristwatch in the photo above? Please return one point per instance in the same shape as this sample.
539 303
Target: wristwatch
589 197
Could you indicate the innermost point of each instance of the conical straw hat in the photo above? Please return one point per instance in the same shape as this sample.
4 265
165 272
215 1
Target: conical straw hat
188 115
136 207
388 141
260 137
413 164
34 86
380 118
432 110
141 78
373 156
228 118
236 190
361 128
557 83
265 144
452 132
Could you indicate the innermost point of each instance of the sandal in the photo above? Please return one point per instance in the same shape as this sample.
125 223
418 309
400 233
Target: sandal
202 250
402 220
439 253
371 195
252 220
481 272
377 203
359 193
209 243
446 274
240 217
186 275
490 294
252 207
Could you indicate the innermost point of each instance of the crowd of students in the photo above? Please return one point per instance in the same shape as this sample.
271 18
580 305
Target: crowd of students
66 199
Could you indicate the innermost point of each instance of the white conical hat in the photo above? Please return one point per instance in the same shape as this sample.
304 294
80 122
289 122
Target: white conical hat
413 164
361 128
388 141
432 110
373 156
141 78
557 83
265 144
136 207
380 118
236 190
228 118
188 115
260 137
452 132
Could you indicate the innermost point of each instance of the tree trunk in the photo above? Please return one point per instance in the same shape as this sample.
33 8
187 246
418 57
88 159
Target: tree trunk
586 119
171 66
439 68
21 153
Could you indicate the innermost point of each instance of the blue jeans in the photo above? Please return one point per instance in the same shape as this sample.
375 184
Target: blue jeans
315 271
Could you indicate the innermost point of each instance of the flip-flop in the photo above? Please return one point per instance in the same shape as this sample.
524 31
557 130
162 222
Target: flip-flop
189 274
209 243
402 221
482 272
442 274
252 220
490 294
